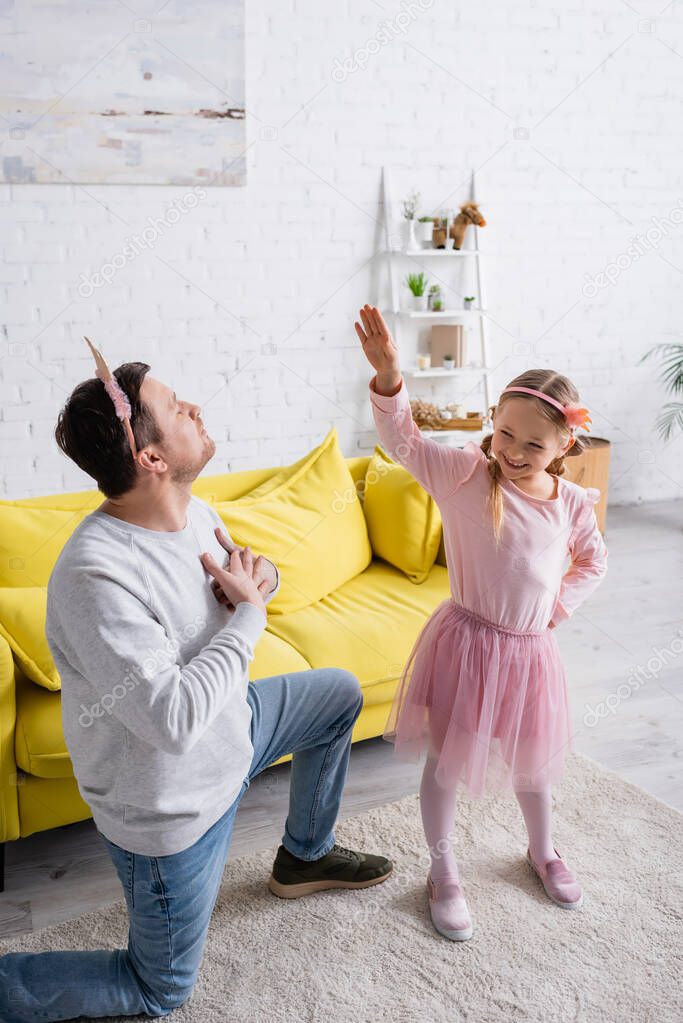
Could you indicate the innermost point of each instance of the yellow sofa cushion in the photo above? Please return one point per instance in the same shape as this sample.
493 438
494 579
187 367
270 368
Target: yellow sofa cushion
404 522
229 486
286 473
73 500
367 626
22 623
309 521
32 537
33 530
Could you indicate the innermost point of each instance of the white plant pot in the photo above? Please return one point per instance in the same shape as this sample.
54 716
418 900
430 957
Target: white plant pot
449 363
408 233
420 303
424 232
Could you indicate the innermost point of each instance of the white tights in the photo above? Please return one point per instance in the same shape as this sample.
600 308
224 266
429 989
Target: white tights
438 808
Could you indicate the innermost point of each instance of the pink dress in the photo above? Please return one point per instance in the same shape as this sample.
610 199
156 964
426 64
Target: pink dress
484 689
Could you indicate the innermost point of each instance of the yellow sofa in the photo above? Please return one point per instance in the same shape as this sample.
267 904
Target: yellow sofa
368 626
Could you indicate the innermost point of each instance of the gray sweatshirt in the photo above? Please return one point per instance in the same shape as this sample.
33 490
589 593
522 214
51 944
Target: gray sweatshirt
154 678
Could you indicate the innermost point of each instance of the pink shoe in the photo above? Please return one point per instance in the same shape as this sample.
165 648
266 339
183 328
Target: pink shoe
559 882
449 911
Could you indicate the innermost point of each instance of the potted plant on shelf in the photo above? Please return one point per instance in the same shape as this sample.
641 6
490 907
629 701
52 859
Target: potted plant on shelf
434 295
468 301
448 362
424 230
418 285
409 210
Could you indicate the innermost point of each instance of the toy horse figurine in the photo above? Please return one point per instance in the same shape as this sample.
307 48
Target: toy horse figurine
469 214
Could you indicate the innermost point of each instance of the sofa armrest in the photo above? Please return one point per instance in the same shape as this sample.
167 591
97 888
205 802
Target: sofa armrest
9 804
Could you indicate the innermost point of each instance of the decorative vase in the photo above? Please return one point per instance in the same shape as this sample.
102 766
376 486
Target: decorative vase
409 239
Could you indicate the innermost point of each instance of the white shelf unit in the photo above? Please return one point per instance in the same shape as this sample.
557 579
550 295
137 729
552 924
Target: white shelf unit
440 371
462 436
403 317
439 253
442 314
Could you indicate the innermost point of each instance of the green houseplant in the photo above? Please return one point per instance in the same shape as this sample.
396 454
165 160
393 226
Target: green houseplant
417 283
434 296
670 416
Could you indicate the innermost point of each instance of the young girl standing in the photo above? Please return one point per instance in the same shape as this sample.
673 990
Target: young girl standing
484 690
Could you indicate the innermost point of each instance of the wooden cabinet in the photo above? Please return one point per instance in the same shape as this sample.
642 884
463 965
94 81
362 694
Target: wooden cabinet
591 469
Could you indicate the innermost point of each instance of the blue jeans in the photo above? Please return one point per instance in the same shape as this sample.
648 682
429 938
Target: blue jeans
170 899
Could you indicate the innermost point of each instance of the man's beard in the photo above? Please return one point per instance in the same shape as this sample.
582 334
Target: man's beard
186 472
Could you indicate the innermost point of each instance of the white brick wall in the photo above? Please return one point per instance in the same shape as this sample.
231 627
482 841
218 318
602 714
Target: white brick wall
287 260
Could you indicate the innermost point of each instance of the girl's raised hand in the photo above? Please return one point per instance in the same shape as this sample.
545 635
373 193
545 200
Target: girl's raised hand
379 348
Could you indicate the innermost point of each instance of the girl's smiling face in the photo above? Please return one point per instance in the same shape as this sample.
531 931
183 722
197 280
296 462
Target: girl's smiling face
524 442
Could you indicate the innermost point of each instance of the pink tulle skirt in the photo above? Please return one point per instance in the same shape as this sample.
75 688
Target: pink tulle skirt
490 704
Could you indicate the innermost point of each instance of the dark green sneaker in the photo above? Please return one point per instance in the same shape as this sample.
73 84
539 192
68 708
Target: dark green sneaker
339 868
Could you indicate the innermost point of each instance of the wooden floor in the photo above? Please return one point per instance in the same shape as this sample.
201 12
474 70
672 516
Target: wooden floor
626 690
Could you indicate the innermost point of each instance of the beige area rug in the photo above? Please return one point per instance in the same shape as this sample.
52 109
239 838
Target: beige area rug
373 954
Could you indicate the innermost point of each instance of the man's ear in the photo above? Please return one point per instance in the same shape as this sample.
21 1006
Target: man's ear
149 459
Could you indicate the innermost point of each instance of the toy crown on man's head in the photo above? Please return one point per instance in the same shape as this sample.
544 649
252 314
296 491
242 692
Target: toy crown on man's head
115 392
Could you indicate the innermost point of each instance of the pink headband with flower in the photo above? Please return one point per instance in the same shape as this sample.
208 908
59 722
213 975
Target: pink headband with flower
115 392
576 415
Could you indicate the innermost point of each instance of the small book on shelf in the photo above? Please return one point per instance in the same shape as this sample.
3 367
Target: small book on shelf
447 339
